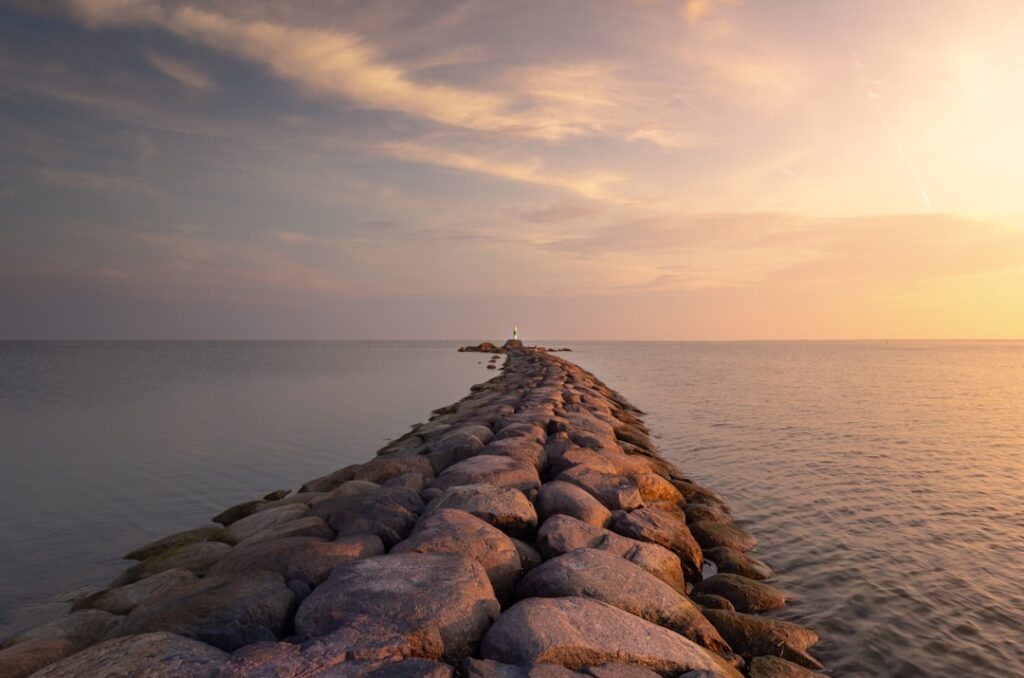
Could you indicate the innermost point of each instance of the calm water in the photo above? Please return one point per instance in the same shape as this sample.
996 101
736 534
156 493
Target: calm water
883 480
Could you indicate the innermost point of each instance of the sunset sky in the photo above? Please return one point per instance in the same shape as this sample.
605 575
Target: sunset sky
710 169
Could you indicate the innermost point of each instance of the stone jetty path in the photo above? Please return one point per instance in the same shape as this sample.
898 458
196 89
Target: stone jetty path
529 530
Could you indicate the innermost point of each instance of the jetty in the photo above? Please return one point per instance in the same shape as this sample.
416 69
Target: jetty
529 530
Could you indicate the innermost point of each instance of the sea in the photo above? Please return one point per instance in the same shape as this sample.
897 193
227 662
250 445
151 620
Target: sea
884 480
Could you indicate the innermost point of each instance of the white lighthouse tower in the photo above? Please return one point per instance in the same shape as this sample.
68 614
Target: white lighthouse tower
515 332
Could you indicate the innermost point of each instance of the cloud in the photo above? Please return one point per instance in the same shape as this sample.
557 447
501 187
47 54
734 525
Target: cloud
186 74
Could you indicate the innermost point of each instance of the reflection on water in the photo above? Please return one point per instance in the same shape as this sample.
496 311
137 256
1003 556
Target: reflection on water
105 446
883 480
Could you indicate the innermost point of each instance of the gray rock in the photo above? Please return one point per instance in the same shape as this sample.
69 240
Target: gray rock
559 497
528 555
736 562
661 527
620 671
81 628
225 611
506 508
24 659
121 599
521 429
710 534
331 480
562 534
453 449
307 559
175 540
243 528
388 512
613 491
578 632
239 511
431 605
410 481
523 448
773 667
197 558
712 601
453 531
488 668
696 512
588 573
493 470
382 469
153 655
746 595
310 526
752 635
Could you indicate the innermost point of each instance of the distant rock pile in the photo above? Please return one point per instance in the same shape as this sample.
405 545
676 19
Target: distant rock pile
530 529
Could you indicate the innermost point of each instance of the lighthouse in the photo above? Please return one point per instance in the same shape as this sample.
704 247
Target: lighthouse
515 332
514 341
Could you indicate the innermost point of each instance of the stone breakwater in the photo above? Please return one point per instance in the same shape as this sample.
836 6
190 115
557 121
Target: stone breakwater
530 529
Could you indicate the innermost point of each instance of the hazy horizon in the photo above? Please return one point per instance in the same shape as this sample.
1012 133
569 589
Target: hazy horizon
638 170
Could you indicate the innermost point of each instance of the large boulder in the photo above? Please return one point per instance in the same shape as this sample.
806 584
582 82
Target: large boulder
710 534
434 605
561 534
751 635
309 526
773 667
197 558
121 599
153 655
260 521
521 430
307 559
388 512
493 470
488 668
599 575
24 659
286 660
746 595
175 540
559 497
614 491
506 508
81 629
579 632
382 469
225 611
330 481
452 449
655 488
660 527
455 531
523 448
736 562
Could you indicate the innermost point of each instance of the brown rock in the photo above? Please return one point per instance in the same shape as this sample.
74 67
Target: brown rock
451 449
751 635
661 527
307 559
773 667
735 562
528 555
578 632
225 611
243 528
26 658
331 480
559 497
747 595
310 526
710 534
239 511
382 469
388 512
524 449
175 540
696 512
197 558
121 599
81 629
614 491
453 531
561 534
153 655
498 471
599 575
523 430
506 508
437 605
712 601
488 668
655 488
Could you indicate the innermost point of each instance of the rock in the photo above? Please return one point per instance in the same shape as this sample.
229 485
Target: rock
525 449
239 511
310 526
712 601
276 495
437 604
197 558
655 488
304 558
561 534
412 668
453 448
559 497
81 629
620 671
243 528
506 508
614 491
493 470
696 512
487 668
692 492
175 540
454 531
121 599
225 611
153 655
735 562
331 480
747 595
528 555
660 527
588 573
773 667
382 469
26 658
751 635
388 512
578 632
710 534
521 430
410 481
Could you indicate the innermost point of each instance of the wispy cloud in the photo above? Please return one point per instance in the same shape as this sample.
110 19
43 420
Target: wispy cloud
185 73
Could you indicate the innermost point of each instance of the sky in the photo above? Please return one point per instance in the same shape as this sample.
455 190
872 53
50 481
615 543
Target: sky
645 169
